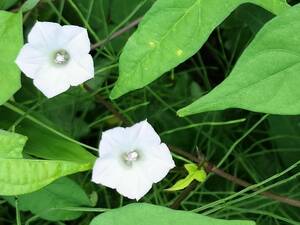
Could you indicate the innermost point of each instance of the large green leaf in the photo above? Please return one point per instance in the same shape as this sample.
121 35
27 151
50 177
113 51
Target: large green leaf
11 144
62 193
147 214
266 77
171 32
43 143
11 40
21 176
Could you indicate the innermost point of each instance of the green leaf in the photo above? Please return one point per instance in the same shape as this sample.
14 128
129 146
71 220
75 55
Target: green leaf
43 143
266 77
200 175
194 173
11 40
146 214
21 176
5 4
29 4
171 32
11 144
62 193
181 184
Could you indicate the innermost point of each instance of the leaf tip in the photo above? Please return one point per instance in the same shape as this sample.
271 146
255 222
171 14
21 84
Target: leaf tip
182 112
115 93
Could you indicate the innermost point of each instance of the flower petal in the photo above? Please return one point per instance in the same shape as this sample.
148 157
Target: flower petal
133 183
143 135
113 142
107 171
30 60
158 162
52 81
44 35
129 138
135 178
75 40
79 72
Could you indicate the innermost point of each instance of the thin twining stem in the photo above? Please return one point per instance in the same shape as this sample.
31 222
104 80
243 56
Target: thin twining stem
211 168
117 33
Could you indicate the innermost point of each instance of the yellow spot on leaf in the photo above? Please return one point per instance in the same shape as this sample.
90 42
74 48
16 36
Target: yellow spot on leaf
152 44
179 52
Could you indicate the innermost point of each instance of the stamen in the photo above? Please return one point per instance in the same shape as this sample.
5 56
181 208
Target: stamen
131 157
61 57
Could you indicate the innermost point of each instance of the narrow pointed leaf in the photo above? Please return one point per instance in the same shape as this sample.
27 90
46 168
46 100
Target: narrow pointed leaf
29 4
171 32
191 167
43 143
266 77
182 184
194 173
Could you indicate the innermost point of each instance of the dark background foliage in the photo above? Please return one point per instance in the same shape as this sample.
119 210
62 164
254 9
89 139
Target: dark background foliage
272 146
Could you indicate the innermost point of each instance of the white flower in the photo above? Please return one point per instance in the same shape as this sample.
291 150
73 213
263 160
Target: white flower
131 160
56 57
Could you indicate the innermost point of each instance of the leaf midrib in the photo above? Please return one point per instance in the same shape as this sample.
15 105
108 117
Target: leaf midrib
165 35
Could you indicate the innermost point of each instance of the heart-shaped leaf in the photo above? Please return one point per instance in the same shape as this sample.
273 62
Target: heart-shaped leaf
147 214
267 76
171 32
11 40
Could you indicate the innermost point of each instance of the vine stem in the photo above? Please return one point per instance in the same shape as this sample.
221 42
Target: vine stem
108 105
209 167
117 33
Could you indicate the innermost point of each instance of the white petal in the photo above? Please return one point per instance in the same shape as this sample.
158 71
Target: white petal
79 72
157 162
52 81
133 183
135 179
107 171
114 142
75 39
143 134
44 35
30 60
129 138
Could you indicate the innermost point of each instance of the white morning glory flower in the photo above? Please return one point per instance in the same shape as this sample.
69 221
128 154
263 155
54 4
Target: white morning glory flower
131 160
56 57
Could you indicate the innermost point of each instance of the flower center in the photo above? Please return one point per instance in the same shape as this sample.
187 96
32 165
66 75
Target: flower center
131 157
61 57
